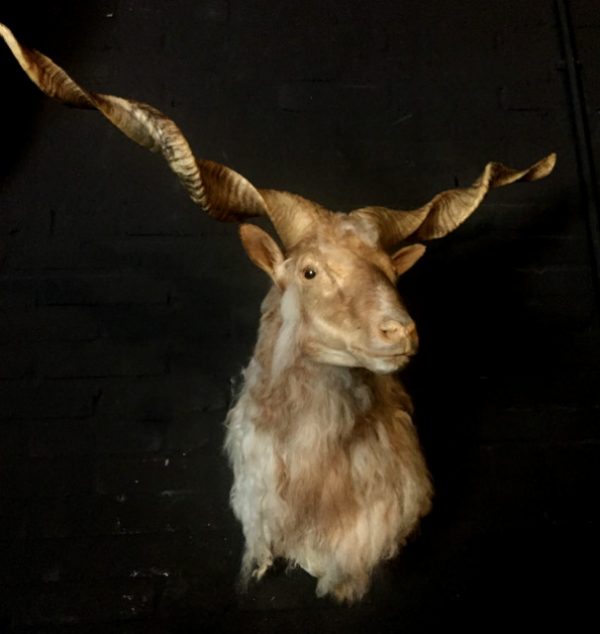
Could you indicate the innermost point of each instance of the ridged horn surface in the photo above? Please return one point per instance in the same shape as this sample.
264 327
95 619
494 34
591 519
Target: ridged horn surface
392 225
220 191
450 208
295 214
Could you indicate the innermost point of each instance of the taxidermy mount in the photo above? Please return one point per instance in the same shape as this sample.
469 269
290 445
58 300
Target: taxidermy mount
328 471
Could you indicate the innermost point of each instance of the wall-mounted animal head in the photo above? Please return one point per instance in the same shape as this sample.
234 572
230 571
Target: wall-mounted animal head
337 272
328 472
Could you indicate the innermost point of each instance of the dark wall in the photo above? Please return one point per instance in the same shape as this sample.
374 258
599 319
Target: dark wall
124 312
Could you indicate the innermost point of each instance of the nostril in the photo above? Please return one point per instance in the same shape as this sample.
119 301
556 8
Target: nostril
392 329
396 332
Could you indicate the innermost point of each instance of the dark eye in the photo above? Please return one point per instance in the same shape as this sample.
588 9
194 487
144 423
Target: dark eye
309 273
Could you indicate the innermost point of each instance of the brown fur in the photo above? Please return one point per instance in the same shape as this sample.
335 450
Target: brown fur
342 439
328 469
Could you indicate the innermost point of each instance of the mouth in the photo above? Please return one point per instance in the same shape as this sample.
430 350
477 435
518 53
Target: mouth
384 355
384 363
379 362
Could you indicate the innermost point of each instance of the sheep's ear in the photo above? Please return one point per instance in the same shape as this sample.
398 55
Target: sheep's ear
261 249
405 257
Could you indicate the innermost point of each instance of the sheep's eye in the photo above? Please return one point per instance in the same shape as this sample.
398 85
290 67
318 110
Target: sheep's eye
309 273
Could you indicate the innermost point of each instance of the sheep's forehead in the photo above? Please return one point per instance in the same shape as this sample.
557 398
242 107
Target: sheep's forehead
343 243
356 228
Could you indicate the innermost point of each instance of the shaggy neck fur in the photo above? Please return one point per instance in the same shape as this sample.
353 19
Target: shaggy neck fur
328 471
301 393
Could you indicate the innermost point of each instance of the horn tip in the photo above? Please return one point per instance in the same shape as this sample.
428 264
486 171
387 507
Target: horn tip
6 34
544 167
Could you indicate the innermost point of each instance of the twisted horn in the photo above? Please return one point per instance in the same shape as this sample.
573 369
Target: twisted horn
448 209
295 214
220 191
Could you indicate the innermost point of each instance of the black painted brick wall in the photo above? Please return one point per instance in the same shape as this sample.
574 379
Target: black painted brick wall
124 312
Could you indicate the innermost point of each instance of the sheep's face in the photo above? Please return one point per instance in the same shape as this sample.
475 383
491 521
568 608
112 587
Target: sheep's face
338 295
338 282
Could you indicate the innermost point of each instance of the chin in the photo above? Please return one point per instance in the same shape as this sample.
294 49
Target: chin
387 365
378 364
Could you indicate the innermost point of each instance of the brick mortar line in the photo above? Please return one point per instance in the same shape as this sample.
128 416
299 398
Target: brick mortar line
585 154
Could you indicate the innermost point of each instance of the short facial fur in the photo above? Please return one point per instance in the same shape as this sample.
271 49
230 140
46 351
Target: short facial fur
343 287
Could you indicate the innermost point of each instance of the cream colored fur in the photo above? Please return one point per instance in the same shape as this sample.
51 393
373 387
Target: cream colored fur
328 470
